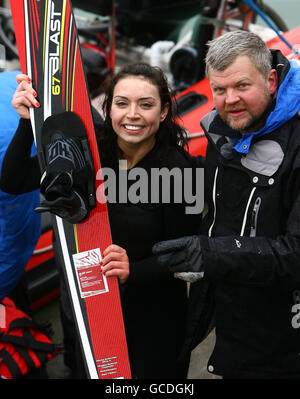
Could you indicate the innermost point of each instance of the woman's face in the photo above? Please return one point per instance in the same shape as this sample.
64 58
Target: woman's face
136 111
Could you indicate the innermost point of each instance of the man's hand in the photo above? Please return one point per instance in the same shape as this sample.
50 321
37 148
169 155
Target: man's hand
182 256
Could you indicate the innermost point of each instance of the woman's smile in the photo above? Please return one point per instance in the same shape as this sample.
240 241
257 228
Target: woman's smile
133 128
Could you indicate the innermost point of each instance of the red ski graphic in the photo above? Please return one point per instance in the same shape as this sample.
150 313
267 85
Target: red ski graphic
49 53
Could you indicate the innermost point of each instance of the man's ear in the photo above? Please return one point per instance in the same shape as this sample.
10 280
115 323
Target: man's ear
273 81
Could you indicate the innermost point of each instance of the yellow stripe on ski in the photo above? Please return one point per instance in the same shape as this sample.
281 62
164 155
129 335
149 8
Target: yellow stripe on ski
68 64
45 27
73 77
76 237
62 33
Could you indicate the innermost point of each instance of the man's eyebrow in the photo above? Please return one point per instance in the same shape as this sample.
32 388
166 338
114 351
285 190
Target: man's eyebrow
245 79
216 86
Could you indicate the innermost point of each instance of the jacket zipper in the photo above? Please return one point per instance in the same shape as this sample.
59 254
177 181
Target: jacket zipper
246 212
254 211
214 202
254 217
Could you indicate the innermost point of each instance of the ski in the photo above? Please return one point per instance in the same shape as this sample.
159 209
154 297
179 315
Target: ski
49 54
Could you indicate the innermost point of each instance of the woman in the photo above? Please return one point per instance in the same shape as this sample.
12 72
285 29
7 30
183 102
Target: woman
140 129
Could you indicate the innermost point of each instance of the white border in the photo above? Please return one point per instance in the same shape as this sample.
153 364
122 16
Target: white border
28 62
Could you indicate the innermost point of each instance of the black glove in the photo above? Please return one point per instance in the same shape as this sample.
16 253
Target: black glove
183 256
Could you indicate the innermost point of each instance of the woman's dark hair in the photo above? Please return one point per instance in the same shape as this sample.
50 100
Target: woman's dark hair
170 134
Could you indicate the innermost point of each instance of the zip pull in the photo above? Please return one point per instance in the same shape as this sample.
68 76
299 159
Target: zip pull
246 212
254 217
214 201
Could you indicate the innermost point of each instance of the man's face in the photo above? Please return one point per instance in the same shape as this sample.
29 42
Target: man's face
241 94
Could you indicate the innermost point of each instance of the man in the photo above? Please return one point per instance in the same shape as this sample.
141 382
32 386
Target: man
250 247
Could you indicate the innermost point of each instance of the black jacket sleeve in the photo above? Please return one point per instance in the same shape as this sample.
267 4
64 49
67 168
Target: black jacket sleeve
257 261
20 172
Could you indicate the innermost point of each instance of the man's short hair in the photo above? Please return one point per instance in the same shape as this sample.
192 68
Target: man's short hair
223 51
